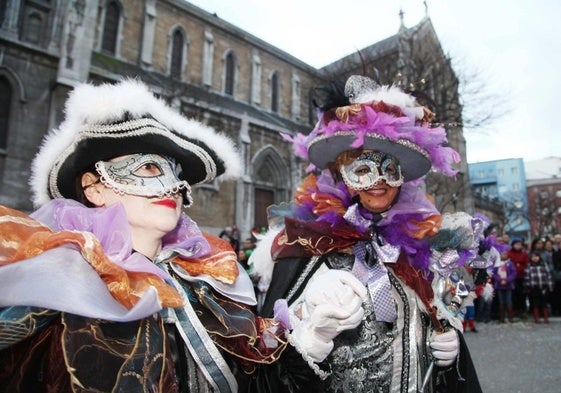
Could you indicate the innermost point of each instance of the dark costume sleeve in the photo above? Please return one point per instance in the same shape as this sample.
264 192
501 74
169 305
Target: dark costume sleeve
290 373
461 378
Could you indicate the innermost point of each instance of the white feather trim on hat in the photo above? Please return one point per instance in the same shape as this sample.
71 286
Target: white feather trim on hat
88 104
389 94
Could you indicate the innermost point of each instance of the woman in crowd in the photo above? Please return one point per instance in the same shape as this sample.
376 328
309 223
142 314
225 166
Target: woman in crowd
519 257
504 275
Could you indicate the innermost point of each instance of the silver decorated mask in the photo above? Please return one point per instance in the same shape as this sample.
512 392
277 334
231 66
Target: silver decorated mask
148 175
371 167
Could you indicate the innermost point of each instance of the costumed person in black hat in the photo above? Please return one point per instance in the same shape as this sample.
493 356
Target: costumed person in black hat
362 213
109 286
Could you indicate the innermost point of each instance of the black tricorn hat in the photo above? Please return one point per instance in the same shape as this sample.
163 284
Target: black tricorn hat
108 121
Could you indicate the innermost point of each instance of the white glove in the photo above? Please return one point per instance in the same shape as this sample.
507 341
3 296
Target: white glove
445 347
336 287
333 303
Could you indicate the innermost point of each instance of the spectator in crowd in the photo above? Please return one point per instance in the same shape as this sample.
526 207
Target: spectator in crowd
231 237
556 262
504 239
538 284
468 306
519 257
484 293
538 245
547 254
504 277
244 253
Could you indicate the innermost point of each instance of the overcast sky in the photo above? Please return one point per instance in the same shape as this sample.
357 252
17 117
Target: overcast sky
515 44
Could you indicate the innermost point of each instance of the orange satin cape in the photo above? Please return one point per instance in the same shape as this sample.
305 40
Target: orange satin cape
22 237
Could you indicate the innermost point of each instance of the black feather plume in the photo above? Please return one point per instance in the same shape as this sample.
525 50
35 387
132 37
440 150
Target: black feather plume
330 96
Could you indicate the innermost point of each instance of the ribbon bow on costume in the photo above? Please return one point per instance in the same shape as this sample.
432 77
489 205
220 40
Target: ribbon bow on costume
369 268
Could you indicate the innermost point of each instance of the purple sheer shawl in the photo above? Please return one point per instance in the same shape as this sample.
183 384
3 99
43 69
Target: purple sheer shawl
111 228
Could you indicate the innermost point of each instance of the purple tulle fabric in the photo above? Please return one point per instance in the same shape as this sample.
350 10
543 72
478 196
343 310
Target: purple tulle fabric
281 313
370 122
111 228
412 205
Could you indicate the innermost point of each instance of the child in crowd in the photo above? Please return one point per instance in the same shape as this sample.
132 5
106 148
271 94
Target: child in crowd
537 284
504 274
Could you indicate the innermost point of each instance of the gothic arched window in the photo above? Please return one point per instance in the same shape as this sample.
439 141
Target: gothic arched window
275 93
177 55
5 104
111 28
33 28
230 68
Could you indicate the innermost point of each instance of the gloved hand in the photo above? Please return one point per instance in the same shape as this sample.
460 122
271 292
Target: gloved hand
332 304
337 287
445 347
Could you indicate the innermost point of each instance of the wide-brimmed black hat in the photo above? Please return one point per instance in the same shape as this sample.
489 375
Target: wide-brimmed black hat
108 121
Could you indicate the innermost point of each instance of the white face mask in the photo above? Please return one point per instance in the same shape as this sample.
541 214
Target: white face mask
148 175
368 169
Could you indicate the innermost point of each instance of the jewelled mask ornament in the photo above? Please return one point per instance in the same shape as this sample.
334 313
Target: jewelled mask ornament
371 167
148 175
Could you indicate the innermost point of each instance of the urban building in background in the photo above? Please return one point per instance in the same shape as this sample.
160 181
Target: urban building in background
503 182
210 70
543 183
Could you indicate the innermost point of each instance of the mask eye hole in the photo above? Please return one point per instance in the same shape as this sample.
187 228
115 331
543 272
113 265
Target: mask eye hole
363 170
148 169
389 167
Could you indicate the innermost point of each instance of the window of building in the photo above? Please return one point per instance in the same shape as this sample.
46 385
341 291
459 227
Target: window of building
515 186
275 93
177 54
229 68
501 171
514 170
481 174
558 193
5 104
256 79
111 28
296 93
32 29
3 6
208 55
312 113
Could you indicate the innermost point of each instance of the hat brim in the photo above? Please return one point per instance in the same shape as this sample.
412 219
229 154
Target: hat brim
414 161
199 163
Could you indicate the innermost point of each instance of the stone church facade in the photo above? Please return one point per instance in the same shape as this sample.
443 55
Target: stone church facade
208 69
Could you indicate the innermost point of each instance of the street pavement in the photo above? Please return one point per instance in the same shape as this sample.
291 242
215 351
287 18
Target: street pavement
518 357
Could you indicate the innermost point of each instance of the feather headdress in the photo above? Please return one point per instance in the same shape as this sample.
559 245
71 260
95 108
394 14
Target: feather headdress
380 118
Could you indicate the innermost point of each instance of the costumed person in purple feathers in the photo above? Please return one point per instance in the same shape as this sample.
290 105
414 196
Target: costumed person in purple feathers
361 229
109 286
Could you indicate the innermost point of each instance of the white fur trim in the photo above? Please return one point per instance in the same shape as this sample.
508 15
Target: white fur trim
261 258
89 104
